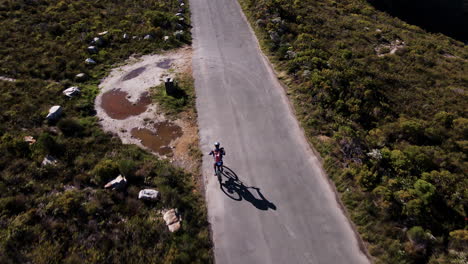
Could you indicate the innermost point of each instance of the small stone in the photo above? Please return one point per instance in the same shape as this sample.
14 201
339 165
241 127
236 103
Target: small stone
90 61
125 36
97 41
182 4
148 194
72 91
166 38
80 77
49 160
29 139
103 33
54 112
92 49
148 37
179 14
117 184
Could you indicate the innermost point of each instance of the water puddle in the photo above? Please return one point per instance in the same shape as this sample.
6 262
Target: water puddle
134 73
116 105
158 141
164 64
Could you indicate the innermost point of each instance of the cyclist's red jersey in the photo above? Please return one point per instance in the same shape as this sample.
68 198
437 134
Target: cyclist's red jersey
218 154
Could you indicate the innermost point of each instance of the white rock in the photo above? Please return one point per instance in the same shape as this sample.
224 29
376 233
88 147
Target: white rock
92 49
29 139
170 217
49 160
125 36
174 227
97 41
72 91
90 61
148 194
54 112
166 38
118 183
182 4
148 37
103 33
80 77
179 14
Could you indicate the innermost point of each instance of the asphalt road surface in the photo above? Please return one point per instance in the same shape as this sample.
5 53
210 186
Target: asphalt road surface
274 203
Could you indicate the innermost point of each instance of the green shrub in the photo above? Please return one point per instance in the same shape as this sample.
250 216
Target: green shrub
105 171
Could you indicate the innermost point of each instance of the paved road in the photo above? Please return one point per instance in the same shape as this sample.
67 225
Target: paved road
284 211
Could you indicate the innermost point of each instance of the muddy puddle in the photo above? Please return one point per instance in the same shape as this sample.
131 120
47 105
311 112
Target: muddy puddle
134 73
116 105
158 141
164 64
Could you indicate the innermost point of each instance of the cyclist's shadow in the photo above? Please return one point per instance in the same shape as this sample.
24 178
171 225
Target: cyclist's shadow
236 190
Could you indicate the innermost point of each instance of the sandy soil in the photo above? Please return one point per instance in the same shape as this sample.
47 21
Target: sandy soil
136 77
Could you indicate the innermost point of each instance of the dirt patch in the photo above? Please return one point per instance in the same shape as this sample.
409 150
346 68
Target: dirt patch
134 73
129 113
116 105
164 64
159 140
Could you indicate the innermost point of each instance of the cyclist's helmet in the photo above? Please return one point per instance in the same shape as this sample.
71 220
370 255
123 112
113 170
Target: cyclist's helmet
216 144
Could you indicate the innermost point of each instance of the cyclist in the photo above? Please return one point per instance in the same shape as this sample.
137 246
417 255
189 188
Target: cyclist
218 154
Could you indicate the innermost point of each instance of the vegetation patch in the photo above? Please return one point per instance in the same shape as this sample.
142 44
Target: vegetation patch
384 102
60 213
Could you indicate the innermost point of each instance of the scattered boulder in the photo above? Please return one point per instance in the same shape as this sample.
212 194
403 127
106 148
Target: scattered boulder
181 10
90 61
118 183
182 5
49 161
179 14
29 139
178 34
72 91
179 26
182 20
98 41
172 220
93 49
125 36
166 38
148 194
148 37
81 77
54 112
103 33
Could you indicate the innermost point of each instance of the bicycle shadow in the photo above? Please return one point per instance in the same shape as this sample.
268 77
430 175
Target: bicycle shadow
236 190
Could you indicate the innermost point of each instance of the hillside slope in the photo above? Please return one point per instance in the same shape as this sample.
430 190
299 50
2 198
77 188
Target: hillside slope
385 104
62 213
